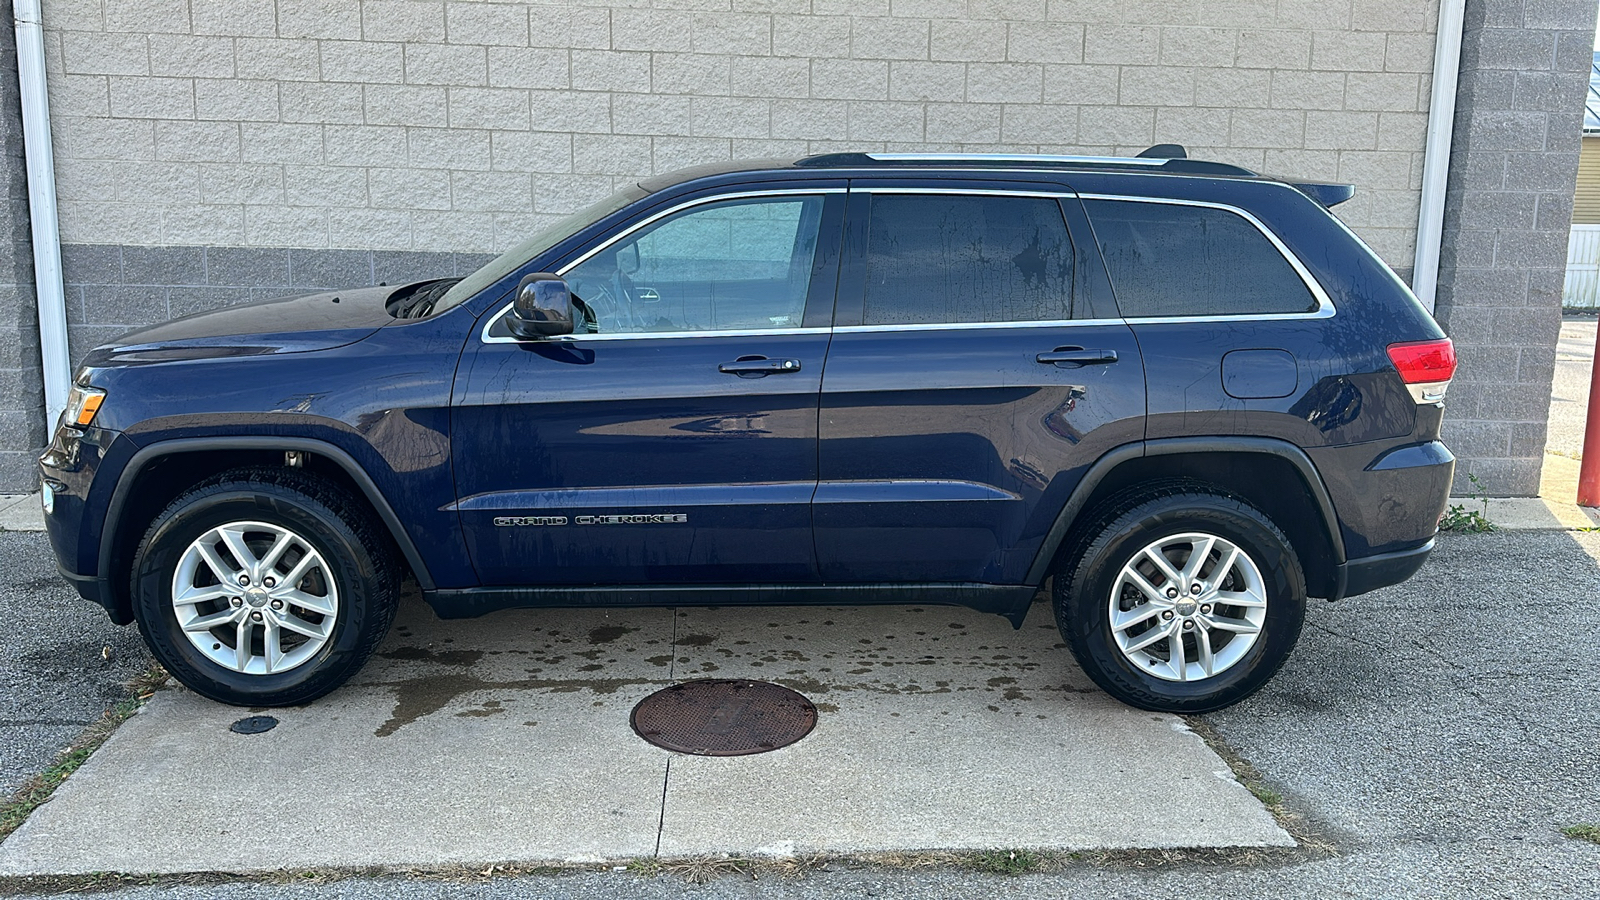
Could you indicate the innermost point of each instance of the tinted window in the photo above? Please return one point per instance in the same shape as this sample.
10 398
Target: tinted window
1171 260
737 264
950 259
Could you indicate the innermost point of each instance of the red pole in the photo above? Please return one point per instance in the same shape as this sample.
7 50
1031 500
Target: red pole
1589 470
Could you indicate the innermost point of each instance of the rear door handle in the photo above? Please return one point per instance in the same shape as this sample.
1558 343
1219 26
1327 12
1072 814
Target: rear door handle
759 367
1077 357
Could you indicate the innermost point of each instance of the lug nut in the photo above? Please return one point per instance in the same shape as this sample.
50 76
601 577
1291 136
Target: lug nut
1205 608
1172 593
1166 616
277 604
270 582
1188 624
255 616
1196 588
235 601
244 579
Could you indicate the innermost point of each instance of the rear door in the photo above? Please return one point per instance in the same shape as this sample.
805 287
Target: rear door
975 374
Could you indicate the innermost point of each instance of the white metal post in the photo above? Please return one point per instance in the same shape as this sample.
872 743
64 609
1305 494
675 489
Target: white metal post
1436 158
56 360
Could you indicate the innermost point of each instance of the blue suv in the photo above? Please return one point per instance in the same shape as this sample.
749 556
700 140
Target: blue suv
1180 395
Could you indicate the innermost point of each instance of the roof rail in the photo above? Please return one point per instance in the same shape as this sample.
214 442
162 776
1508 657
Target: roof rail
1167 158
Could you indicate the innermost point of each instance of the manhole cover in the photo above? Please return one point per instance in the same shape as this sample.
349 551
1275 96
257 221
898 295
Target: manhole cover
724 717
253 725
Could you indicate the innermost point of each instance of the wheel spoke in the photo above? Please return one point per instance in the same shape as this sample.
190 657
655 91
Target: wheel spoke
1159 560
304 600
1238 626
1122 620
1175 660
270 559
1202 641
1197 560
1143 586
193 595
1241 598
301 568
201 624
270 647
233 537
1149 637
224 573
241 646
299 625
1224 565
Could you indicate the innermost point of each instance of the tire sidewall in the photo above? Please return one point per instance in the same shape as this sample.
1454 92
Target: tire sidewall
1084 614
347 560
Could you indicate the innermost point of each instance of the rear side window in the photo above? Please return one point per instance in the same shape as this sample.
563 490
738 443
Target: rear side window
946 258
1171 260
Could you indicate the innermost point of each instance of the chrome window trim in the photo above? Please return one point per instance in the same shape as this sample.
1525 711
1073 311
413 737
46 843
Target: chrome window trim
1325 308
965 192
485 337
966 326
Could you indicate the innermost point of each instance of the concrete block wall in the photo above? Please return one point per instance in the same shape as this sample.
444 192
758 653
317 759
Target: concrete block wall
22 432
1513 166
429 126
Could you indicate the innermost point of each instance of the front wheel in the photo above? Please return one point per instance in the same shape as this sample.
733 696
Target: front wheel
264 587
1187 602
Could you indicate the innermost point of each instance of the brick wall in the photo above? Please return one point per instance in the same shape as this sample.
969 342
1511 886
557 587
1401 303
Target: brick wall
458 126
1513 165
22 433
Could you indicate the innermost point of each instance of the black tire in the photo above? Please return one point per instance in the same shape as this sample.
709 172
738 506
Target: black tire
356 551
1120 530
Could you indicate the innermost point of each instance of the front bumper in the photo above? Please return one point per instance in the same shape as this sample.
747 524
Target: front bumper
74 468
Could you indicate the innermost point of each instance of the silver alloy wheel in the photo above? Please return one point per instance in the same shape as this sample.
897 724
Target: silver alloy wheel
255 598
1188 607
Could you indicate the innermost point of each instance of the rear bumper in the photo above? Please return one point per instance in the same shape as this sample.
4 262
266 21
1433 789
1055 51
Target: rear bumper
1359 576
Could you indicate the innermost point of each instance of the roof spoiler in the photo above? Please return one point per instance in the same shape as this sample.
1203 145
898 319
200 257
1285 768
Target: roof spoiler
1327 193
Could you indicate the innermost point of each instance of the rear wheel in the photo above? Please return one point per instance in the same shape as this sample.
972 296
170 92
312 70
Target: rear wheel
1187 602
264 587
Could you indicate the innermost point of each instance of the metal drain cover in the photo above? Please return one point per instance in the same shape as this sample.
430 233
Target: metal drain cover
724 717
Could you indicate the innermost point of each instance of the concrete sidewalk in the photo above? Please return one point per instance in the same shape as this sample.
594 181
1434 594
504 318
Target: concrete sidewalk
506 739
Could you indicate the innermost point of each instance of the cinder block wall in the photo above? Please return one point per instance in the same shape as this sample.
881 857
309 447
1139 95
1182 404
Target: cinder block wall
192 131
21 383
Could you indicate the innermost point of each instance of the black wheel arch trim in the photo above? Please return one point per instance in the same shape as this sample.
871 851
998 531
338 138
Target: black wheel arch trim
145 455
1115 457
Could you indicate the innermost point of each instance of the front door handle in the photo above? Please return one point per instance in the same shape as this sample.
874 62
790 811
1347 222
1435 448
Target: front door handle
1077 357
759 367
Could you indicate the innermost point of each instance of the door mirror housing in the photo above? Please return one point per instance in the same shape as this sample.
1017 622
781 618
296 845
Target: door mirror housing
542 307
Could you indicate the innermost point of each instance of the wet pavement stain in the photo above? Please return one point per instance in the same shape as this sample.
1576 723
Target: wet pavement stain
444 657
605 634
695 640
415 698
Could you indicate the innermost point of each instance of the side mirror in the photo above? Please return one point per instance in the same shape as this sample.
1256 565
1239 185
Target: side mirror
542 307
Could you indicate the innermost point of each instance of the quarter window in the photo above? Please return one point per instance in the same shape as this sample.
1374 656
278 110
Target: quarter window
731 265
1165 259
950 259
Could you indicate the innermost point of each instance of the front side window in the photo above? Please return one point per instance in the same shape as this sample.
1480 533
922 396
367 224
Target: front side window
1166 259
955 259
730 265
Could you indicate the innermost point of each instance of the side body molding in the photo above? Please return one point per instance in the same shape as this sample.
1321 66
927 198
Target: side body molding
145 455
1171 446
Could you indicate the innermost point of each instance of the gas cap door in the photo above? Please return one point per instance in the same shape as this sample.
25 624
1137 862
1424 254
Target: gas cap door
1259 374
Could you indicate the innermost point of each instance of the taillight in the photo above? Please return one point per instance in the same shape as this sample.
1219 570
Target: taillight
1425 366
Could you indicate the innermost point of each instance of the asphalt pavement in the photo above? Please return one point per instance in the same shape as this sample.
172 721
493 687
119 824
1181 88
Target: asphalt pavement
1439 734
62 662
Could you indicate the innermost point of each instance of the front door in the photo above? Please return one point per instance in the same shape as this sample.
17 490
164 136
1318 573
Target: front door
971 382
673 439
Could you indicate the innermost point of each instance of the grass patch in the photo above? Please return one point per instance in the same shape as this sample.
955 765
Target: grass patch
1005 862
1590 833
1461 520
35 791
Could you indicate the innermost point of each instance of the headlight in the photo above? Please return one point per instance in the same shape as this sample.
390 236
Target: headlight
82 403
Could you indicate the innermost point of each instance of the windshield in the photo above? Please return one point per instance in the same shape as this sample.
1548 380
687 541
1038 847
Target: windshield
537 243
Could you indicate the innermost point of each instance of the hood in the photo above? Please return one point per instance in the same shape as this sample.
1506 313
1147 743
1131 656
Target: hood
319 321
